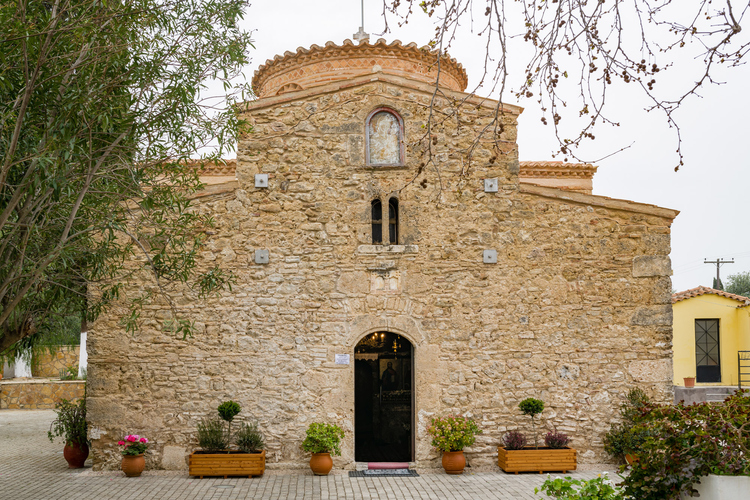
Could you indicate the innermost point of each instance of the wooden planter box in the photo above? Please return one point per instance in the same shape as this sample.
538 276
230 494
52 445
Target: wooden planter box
232 463
533 460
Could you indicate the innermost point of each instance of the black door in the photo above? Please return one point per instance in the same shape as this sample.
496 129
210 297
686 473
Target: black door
383 411
707 361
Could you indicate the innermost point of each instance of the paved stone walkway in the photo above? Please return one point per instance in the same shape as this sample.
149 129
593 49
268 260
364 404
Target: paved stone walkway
33 468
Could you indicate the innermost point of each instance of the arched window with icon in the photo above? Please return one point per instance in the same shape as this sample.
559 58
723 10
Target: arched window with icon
385 138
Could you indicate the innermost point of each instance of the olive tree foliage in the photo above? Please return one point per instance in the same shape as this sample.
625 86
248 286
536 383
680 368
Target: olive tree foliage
739 284
100 107
578 52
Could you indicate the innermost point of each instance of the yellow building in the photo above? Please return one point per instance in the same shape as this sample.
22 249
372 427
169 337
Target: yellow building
710 329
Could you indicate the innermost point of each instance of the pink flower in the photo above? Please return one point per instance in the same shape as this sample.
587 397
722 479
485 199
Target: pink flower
144 440
132 438
121 443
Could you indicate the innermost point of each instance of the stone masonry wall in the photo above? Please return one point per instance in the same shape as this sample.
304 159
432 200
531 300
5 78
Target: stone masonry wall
51 364
38 394
576 311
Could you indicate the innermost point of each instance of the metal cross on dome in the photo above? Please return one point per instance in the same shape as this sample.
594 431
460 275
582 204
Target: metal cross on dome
360 35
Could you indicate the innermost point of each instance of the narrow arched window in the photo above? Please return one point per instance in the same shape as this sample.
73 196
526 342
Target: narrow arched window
385 138
393 221
377 222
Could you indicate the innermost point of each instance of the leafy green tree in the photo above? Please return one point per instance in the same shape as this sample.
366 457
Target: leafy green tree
101 105
739 284
717 284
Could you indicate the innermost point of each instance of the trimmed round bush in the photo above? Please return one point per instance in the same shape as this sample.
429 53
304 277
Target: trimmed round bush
531 406
228 410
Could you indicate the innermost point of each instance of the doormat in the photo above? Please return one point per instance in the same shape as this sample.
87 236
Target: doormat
383 473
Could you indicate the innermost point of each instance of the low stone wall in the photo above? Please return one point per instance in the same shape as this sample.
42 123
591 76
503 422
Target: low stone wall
41 394
46 364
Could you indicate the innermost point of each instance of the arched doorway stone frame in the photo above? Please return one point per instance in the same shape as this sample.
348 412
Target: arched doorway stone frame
366 324
425 395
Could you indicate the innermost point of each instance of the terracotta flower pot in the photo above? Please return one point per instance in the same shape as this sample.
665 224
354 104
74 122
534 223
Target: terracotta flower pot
631 459
689 381
76 454
133 465
454 462
321 463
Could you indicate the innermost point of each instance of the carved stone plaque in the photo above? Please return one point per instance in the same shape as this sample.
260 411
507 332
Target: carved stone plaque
385 281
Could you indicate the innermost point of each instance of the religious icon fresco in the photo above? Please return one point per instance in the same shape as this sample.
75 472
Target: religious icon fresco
383 132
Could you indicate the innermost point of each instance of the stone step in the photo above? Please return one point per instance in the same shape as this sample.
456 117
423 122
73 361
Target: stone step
715 398
713 394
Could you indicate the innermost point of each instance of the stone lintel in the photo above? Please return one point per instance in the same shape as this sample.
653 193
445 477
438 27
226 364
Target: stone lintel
387 249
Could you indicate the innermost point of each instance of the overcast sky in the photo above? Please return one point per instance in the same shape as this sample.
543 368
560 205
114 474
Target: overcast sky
709 190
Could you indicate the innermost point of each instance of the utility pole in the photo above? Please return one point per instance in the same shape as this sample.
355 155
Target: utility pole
718 285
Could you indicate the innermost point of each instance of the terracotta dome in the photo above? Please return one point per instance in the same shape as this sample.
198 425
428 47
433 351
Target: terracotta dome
320 65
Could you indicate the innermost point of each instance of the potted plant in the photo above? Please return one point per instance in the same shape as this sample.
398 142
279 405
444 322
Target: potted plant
133 461
322 440
71 425
217 458
451 435
624 439
514 456
689 381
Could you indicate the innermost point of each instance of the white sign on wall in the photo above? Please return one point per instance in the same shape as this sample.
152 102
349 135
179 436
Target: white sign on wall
342 359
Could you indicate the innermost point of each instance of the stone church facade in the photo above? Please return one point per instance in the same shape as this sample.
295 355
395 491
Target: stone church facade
384 277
